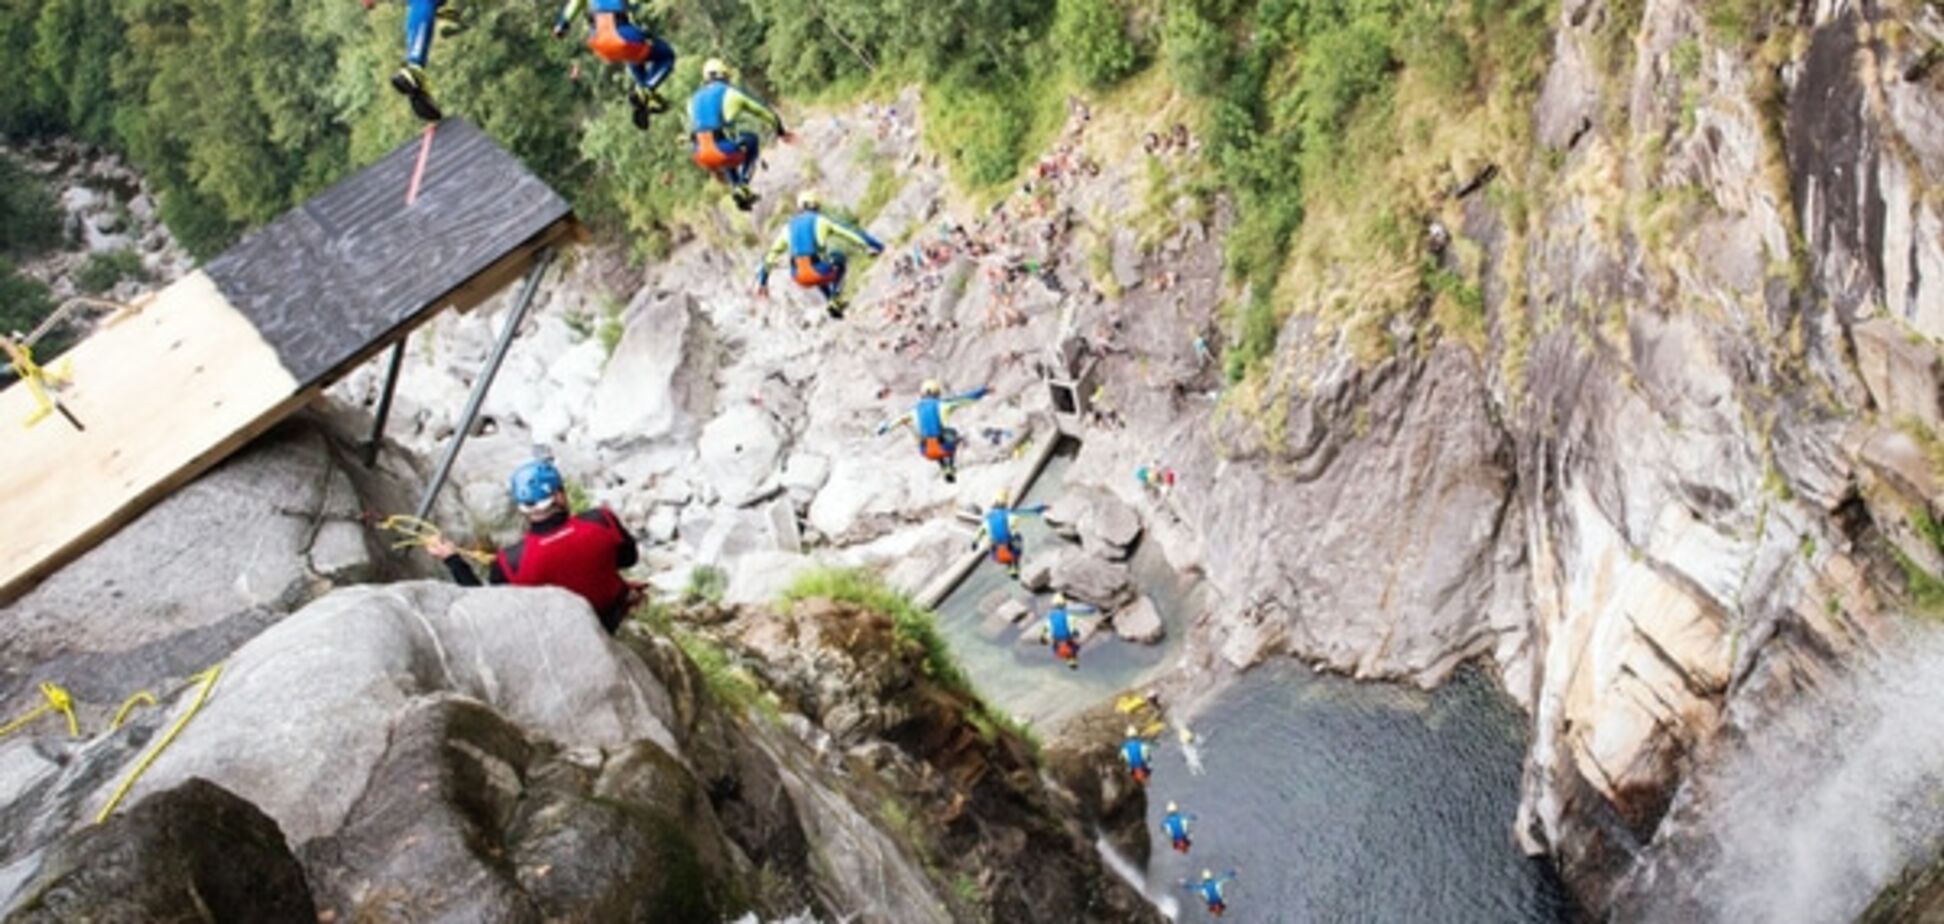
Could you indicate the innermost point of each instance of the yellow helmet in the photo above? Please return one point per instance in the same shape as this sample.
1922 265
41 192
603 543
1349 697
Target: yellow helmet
1002 498
1132 731
714 69
1208 874
1059 600
1173 807
809 200
932 388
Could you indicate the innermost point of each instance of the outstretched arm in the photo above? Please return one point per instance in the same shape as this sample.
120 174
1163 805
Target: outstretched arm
570 11
858 236
776 252
463 574
947 406
902 420
737 102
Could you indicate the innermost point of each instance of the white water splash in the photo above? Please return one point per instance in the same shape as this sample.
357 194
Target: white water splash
1191 752
1820 809
1132 875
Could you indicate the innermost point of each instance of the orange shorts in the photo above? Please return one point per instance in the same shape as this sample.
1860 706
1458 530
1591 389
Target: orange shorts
612 46
808 273
710 156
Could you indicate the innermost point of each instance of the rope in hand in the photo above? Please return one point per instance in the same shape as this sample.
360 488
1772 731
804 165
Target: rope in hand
208 681
58 700
417 533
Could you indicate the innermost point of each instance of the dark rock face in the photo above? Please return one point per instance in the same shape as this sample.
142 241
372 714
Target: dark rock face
950 787
466 819
194 853
1092 784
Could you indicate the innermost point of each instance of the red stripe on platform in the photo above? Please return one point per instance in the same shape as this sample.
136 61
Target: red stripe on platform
418 171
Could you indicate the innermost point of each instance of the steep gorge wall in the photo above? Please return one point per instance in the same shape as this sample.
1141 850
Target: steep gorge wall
1691 469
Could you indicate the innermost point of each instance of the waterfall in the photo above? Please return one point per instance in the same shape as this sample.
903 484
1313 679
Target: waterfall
1132 875
1817 810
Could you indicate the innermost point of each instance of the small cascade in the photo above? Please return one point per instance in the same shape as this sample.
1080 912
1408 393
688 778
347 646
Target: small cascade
1133 876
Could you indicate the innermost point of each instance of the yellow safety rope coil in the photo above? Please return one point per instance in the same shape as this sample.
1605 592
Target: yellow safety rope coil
208 681
58 700
418 533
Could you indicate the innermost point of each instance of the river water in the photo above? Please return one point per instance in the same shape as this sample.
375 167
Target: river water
1333 800
1342 801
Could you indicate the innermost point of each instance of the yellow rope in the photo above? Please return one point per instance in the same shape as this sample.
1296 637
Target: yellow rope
208 680
418 533
128 705
57 701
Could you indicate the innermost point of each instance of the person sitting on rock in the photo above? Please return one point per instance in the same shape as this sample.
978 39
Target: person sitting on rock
1210 890
584 553
1001 524
1058 629
1176 824
713 112
936 441
1136 754
420 15
813 262
614 37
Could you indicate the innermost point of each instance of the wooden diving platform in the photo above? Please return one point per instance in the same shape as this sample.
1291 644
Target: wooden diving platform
227 352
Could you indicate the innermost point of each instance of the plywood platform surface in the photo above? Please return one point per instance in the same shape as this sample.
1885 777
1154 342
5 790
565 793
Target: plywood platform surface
356 263
224 354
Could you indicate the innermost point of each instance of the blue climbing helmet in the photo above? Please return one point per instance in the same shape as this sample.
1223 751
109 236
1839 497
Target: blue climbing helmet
536 482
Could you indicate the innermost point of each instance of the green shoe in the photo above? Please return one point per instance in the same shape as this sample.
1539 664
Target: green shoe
410 81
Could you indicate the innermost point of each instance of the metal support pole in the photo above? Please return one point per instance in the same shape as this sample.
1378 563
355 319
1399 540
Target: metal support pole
478 396
384 403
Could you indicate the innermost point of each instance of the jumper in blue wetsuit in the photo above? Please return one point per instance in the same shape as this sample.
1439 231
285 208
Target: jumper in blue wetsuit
1060 632
808 240
1001 524
1176 825
728 155
927 418
410 79
614 37
1135 753
1210 890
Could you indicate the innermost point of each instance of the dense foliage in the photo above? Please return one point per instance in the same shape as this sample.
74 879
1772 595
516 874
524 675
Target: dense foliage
236 110
29 224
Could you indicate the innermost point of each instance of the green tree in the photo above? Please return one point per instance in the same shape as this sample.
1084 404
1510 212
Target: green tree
1091 36
30 220
77 44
